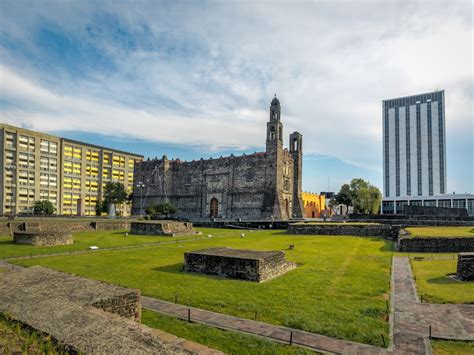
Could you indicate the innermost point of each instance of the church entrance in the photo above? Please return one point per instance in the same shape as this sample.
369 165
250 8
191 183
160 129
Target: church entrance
214 208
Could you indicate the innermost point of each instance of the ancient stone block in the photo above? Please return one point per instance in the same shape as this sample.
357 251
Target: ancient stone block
364 230
465 269
168 228
42 238
249 265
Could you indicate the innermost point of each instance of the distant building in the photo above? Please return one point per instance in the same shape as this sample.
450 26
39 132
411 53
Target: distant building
71 174
414 154
314 204
414 145
264 185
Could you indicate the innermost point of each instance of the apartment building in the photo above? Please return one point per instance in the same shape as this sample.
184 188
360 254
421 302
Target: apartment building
71 174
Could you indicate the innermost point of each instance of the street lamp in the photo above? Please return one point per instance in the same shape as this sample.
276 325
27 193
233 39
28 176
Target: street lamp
11 168
141 185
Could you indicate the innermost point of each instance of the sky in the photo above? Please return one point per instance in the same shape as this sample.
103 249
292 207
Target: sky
194 79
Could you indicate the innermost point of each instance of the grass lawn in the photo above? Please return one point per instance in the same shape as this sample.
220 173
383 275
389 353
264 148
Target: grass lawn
339 288
445 347
15 339
430 232
433 284
226 341
83 240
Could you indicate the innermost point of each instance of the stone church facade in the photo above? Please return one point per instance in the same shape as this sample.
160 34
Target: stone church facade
258 186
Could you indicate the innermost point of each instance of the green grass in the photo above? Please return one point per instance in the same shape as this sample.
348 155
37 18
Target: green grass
445 347
82 241
2 269
433 284
434 232
227 341
17 339
339 288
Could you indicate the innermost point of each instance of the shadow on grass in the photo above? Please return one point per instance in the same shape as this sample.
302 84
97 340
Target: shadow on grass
444 280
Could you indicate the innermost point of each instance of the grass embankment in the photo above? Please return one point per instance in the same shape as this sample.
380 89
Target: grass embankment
83 240
339 288
227 341
16 339
439 232
434 285
450 347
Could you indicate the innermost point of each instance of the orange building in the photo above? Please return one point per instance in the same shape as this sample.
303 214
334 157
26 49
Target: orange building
314 204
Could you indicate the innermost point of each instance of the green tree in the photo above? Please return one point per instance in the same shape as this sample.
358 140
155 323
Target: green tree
114 194
44 208
361 195
165 209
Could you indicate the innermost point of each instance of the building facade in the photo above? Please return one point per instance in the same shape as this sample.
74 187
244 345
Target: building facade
72 175
414 145
264 185
314 204
395 205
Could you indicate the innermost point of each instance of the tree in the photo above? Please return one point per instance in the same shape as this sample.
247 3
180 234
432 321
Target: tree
344 196
114 194
165 208
44 208
361 195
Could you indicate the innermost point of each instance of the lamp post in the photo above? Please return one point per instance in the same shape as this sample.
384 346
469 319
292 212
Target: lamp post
141 185
11 168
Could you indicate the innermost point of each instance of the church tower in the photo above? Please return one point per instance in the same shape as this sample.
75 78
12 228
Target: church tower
274 128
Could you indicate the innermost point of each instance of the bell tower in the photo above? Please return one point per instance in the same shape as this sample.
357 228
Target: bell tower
274 128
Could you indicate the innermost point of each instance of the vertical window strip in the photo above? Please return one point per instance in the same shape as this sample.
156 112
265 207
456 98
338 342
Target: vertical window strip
408 155
397 153
441 143
430 151
418 147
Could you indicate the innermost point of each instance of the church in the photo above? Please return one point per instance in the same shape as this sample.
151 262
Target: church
260 186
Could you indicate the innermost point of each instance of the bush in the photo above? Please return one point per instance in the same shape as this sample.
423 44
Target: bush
44 208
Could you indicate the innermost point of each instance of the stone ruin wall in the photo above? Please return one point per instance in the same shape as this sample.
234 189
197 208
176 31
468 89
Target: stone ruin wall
375 230
127 305
436 245
170 228
465 267
39 238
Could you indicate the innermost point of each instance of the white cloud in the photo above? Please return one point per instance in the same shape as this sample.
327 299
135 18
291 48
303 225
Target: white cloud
205 74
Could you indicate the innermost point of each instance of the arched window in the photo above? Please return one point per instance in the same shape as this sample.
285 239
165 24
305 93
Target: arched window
214 207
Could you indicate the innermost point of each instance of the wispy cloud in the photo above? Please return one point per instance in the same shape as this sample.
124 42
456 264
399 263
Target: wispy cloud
204 73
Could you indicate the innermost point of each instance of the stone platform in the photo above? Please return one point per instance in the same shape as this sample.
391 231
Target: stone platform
42 238
168 228
248 265
465 269
85 316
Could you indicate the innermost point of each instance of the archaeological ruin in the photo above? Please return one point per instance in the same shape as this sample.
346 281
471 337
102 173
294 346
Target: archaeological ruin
167 228
251 265
465 268
42 238
264 185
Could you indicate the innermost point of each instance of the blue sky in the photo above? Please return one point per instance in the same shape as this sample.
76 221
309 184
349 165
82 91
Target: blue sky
195 79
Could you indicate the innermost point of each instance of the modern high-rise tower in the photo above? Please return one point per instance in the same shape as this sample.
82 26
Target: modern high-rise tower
414 146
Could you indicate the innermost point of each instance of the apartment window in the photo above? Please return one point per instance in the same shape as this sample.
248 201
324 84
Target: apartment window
26 196
131 163
91 185
26 177
105 173
67 183
26 160
9 158
48 147
430 203
416 203
118 175
68 167
107 158
92 155
76 168
10 140
68 151
130 177
92 171
76 184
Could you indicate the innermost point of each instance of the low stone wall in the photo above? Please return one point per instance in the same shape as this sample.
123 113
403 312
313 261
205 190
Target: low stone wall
75 311
465 269
248 265
168 228
110 225
40 238
435 245
364 230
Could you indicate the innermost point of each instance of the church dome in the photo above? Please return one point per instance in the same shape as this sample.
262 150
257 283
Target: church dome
275 101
